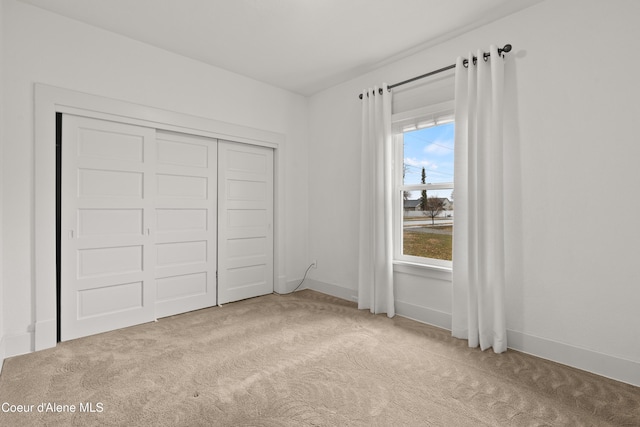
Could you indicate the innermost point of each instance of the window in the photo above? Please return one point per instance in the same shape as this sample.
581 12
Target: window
424 194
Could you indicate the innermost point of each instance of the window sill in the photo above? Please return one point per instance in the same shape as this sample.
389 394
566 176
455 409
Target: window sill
423 270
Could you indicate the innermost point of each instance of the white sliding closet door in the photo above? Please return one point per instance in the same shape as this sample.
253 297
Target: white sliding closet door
245 221
156 223
107 209
185 241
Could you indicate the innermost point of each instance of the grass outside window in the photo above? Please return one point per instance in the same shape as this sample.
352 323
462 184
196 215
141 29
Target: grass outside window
428 242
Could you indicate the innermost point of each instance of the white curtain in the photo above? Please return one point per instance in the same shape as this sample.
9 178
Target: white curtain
375 278
478 312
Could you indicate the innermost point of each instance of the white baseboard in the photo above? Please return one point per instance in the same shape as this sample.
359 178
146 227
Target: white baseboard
612 367
291 285
608 366
604 365
423 315
329 289
17 344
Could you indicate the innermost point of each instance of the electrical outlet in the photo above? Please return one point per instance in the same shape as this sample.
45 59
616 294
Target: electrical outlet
314 263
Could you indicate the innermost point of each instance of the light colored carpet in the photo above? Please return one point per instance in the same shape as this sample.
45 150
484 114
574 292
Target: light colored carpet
305 359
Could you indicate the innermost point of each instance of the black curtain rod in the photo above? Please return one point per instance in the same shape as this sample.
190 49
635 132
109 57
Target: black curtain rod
505 49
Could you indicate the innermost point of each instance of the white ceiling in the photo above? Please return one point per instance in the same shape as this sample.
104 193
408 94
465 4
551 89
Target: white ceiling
300 45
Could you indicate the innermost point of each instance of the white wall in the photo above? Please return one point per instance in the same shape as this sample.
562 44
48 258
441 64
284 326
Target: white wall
572 107
47 48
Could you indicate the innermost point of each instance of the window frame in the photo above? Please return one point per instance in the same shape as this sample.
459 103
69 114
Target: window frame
437 114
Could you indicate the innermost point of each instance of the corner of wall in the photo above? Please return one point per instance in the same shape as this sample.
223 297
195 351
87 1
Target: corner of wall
333 290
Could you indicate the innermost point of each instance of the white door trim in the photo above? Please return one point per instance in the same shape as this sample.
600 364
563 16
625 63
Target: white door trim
50 100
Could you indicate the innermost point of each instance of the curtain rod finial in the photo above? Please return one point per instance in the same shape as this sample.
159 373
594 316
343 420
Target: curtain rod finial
506 48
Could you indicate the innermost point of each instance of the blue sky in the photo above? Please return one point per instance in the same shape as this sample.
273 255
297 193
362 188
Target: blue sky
432 148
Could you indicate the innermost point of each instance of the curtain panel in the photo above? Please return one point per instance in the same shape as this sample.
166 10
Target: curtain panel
478 300
375 263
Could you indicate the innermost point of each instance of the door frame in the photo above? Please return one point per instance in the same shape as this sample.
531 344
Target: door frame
50 100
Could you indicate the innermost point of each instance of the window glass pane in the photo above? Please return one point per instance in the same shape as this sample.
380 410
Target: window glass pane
427 225
428 154
427 222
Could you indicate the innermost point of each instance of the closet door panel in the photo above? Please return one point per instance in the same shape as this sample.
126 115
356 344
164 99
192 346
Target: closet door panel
185 213
107 199
245 227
